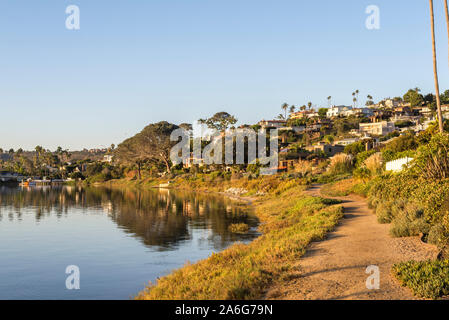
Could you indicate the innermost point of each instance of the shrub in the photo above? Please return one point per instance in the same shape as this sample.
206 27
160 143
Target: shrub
432 161
238 228
403 143
362 156
304 168
355 148
409 221
374 164
438 235
362 173
340 164
383 212
427 279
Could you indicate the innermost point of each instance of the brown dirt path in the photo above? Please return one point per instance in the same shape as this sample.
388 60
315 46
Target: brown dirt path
335 268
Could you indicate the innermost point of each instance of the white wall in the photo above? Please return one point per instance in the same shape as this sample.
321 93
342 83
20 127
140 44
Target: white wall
398 165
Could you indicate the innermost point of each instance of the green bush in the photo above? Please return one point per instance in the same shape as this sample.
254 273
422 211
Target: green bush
427 279
438 235
408 221
383 212
432 162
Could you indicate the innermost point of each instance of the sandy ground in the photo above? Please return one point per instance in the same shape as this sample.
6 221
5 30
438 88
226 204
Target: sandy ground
335 268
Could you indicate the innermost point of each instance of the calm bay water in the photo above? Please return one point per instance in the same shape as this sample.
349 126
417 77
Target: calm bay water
120 239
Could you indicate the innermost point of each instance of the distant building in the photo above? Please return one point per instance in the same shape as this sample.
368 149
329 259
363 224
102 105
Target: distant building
304 114
189 162
346 142
377 128
7 176
367 112
328 149
296 129
108 158
336 111
272 124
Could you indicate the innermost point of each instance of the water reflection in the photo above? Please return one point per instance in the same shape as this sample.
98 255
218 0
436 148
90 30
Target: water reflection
160 219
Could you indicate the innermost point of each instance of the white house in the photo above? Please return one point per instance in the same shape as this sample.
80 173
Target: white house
336 111
108 158
346 142
377 128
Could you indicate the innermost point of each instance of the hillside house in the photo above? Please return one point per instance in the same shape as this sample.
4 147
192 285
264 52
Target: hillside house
328 149
377 128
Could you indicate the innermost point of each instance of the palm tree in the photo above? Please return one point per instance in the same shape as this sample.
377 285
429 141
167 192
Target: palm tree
435 68
329 101
281 117
309 104
292 108
285 107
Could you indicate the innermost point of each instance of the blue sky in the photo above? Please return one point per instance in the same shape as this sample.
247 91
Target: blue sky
142 61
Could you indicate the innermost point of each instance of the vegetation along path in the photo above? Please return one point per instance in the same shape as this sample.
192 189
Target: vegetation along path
335 268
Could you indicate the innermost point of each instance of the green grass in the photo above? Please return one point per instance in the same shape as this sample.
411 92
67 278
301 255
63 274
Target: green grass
290 221
427 279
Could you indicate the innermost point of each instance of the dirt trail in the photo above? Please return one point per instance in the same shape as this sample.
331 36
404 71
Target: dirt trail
335 268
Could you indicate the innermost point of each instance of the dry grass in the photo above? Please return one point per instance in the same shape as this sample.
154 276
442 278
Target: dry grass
340 188
304 168
341 163
374 163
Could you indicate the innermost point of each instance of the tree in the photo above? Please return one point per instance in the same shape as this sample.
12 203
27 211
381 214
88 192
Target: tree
447 16
322 112
220 121
370 101
292 108
152 144
309 104
155 142
355 96
435 68
329 139
329 101
129 152
186 126
285 107
414 97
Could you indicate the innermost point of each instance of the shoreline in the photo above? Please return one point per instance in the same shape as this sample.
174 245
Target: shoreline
246 271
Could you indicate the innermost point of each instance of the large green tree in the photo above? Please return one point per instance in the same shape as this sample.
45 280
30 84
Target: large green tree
152 144
220 121
414 97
